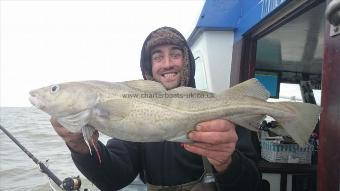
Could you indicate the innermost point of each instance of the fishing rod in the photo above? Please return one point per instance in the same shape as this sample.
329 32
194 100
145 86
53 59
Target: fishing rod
68 184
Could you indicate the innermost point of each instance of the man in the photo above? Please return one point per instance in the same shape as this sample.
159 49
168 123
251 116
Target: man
166 58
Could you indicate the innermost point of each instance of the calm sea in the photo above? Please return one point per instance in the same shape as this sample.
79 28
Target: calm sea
33 130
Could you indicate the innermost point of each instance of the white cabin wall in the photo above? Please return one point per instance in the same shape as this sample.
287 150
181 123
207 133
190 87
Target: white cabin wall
202 75
214 49
220 48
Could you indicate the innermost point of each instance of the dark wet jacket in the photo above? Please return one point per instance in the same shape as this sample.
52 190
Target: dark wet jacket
166 163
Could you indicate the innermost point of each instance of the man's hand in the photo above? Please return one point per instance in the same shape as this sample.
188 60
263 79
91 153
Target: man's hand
215 140
74 140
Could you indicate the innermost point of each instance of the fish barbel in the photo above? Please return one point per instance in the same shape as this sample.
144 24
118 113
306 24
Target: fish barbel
144 111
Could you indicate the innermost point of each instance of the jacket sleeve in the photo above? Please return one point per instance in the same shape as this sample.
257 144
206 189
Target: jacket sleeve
242 174
118 165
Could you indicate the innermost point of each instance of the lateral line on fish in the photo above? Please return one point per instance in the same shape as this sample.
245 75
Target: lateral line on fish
237 108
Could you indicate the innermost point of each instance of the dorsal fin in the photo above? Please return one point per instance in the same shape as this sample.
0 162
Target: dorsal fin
251 88
145 85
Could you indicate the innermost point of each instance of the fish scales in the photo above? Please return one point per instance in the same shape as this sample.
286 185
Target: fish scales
144 111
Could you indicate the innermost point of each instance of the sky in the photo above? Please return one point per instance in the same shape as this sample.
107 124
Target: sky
48 42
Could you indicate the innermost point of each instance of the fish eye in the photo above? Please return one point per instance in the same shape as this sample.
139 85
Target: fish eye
54 88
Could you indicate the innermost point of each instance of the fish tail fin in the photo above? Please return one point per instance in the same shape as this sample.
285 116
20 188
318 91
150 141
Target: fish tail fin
306 118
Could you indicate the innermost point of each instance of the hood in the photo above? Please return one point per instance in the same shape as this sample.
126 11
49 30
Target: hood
162 36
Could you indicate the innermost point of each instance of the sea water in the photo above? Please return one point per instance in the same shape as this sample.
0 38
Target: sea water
31 127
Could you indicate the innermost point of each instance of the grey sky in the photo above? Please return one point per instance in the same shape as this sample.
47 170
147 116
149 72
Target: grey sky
47 42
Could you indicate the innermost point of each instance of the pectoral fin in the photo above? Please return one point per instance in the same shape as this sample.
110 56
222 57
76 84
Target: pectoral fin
88 132
115 109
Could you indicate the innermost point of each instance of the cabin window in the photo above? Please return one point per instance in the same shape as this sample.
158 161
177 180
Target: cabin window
294 53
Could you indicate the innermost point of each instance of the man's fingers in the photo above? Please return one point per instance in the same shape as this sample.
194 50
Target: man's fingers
215 155
227 147
219 165
63 132
213 137
218 125
216 140
59 129
73 140
214 162
54 122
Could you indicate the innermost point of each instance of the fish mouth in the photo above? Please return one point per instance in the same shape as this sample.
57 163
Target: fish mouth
35 101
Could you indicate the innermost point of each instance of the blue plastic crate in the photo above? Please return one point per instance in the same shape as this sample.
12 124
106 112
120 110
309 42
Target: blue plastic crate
273 151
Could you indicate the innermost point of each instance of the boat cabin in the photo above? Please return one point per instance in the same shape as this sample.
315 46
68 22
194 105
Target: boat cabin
293 48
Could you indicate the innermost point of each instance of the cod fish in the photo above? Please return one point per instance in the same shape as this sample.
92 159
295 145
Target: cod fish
144 111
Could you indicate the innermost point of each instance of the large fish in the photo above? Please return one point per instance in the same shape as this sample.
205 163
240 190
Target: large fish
144 111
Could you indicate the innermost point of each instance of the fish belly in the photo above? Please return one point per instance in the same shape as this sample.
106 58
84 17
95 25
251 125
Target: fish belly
154 123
